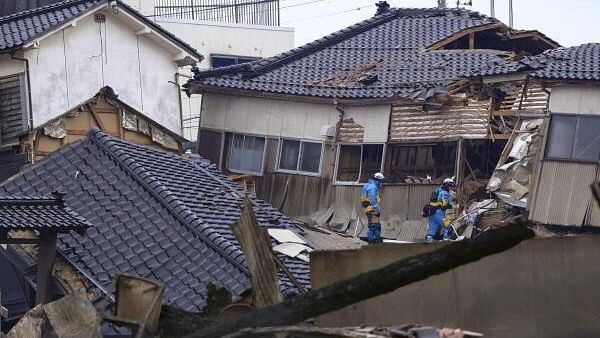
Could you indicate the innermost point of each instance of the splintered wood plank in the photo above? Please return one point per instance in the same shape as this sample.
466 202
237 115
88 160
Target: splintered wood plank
256 246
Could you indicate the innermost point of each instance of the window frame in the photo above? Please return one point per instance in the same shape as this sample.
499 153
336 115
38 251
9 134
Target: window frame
549 138
298 172
231 56
247 172
337 161
424 144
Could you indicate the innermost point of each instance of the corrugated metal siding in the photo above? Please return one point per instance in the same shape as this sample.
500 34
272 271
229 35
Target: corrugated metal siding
11 116
563 193
411 123
351 132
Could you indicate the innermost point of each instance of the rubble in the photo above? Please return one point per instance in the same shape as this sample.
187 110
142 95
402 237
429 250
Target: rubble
512 177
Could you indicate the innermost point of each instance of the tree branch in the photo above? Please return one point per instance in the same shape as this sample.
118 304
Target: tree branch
373 283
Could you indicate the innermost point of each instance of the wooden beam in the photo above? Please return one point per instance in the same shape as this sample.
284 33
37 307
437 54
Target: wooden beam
472 40
256 246
45 262
96 117
374 283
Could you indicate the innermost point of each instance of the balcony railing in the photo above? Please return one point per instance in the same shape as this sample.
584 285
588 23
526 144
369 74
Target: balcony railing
249 12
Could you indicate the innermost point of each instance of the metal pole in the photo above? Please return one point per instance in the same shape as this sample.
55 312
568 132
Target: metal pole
492 12
510 13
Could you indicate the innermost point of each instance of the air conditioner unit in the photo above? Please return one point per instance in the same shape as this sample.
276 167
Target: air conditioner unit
328 130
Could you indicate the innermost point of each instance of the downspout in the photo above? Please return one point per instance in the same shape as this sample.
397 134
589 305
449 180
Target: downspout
29 104
339 108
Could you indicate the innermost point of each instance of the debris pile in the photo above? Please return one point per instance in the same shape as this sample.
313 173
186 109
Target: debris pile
511 178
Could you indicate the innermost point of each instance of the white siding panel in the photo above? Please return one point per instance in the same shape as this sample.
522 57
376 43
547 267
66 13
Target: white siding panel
48 75
83 50
9 66
374 120
275 118
576 99
160 97
121 66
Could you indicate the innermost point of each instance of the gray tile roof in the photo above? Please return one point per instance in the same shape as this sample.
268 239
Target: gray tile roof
20 28
156 214
18 212
381 57
566 63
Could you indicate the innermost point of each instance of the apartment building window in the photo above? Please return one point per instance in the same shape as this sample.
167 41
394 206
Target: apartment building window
218 61
357 162
574 137
414 163
302 157
246 154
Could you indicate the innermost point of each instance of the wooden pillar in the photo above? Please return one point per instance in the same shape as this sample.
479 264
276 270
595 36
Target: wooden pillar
471 40
45 262
460 173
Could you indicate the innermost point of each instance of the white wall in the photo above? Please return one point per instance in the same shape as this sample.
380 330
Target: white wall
267 116
218 38
71 65
230 39
375 119
576 99
9 66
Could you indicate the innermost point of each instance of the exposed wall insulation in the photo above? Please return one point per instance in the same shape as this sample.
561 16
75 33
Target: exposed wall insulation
412 123
351 132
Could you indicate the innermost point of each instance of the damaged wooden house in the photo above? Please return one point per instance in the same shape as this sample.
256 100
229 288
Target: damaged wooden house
553 155
69 66
161 216
388 94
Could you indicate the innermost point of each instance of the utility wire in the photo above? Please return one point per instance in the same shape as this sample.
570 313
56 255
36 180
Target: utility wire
328 14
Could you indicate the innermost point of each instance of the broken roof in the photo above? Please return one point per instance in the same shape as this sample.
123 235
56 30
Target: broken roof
156 214
19 29
566 63
20 212
382 57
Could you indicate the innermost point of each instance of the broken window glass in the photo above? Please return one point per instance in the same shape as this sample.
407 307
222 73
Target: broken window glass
574 138
300 156
356 163
414 163
247 153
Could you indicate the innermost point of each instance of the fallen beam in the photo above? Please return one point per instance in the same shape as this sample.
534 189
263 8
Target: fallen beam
373 283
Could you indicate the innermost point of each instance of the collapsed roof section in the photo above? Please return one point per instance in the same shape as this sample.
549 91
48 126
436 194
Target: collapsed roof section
393 54
578 63
156 214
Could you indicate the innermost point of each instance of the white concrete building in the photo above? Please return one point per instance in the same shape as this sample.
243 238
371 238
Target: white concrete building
226 32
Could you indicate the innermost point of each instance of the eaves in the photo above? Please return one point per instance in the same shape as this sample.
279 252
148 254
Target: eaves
202 89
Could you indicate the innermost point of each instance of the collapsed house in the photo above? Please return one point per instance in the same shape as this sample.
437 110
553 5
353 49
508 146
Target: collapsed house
389 94
157 215
56 58
553 155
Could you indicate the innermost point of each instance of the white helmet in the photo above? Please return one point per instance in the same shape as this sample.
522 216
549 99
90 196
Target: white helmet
448 181
378 176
